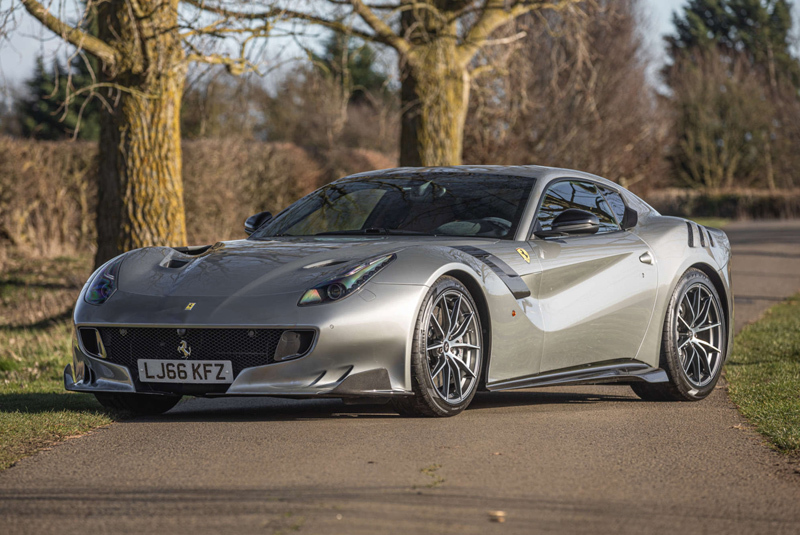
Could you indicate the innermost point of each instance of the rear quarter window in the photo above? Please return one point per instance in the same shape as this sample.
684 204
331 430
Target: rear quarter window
616 203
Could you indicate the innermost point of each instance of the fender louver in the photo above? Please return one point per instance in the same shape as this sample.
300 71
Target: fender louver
702 236
691 234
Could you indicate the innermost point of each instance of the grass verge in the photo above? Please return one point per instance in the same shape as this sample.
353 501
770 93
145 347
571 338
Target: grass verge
764 374
36 296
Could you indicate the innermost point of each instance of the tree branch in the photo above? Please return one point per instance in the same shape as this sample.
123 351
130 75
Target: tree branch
496 14
383 33
381 29
104 52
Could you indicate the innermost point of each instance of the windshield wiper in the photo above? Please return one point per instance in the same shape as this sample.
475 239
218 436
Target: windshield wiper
374 230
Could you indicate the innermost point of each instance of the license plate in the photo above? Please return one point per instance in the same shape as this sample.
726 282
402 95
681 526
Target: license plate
185 371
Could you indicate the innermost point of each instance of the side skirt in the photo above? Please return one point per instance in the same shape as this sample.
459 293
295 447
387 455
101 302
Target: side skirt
618 371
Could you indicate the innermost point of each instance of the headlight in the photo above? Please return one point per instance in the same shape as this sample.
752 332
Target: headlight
347 282
103 283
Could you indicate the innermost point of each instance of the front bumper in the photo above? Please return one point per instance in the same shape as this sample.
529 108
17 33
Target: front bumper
362 349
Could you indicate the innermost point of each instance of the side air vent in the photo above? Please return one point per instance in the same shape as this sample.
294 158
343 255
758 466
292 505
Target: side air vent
691 234
700 231
710 239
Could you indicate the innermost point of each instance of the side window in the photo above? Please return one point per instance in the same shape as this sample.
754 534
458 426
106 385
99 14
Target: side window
575 194
615 201
556 200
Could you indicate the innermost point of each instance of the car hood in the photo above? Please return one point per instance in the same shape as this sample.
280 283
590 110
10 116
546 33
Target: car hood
247 267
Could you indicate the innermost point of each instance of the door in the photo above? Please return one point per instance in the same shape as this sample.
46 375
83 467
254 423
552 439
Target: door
597 291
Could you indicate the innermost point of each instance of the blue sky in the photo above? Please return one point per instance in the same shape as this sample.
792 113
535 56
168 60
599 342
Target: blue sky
16 57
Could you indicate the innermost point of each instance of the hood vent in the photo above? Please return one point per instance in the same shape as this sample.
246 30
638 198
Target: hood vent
174 263
324 263
194 251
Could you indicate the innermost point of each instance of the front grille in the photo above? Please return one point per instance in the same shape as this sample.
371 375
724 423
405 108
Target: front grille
245 348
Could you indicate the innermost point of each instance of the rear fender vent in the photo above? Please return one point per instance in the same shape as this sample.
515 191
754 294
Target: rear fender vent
710 239
691 234
700 231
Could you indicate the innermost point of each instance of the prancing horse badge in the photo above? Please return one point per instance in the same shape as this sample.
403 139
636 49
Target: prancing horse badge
190 306
524 254
185 349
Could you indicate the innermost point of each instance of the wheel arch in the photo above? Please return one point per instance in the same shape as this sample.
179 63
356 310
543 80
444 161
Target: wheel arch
478 295
719 286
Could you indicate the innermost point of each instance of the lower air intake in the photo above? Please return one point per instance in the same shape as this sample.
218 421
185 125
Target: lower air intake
245 348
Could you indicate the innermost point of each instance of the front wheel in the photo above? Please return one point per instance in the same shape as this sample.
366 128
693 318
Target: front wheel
447 353
139 404
693 343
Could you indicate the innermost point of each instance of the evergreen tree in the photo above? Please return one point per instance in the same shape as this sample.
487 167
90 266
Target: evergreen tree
734 94
59 102
757 29
54 108
345 58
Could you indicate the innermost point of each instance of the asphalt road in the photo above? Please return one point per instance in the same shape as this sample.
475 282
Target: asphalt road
589 459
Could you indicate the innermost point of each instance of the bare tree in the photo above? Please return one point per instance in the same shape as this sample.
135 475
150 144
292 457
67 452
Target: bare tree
722 121
144 48
437 42
573 95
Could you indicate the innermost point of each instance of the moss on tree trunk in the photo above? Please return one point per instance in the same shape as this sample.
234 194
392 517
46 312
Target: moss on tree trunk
434 93
140 185
139 182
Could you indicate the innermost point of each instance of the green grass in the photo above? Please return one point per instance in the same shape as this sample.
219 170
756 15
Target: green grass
764 374
713 222
37 414
36 296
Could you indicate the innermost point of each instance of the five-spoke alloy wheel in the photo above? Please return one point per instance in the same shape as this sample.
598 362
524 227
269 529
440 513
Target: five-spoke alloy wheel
447 353
453 346
699 335
693 344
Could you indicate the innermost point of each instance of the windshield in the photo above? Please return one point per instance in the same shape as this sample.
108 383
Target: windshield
444 204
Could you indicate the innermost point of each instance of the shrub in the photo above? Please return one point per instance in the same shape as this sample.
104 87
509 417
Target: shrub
48 193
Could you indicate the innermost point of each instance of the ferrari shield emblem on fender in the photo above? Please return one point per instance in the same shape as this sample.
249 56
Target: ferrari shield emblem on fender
524 254
190 306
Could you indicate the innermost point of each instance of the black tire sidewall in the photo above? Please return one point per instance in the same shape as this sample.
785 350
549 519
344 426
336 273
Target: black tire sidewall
671 355
423 384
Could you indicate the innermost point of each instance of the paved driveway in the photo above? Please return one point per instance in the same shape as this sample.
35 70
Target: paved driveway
589 459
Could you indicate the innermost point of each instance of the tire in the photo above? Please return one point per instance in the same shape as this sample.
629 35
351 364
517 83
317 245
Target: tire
139 404
455 350
693 343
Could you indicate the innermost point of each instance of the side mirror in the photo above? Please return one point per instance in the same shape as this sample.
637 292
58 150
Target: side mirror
254 222
572 221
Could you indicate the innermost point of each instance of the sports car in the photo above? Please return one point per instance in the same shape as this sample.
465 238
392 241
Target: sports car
416 287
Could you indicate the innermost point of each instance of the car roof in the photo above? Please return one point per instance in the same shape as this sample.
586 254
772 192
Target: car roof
539 172
529 171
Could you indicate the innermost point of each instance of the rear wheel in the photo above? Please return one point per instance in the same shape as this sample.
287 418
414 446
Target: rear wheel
446 354
140 404
693 342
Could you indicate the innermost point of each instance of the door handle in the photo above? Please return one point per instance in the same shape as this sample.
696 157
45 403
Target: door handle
646 258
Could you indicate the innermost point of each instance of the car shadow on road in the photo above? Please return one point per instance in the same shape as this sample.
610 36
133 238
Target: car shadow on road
491 400
277 409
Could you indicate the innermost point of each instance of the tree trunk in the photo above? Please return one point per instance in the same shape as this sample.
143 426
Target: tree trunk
434 98
140 187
